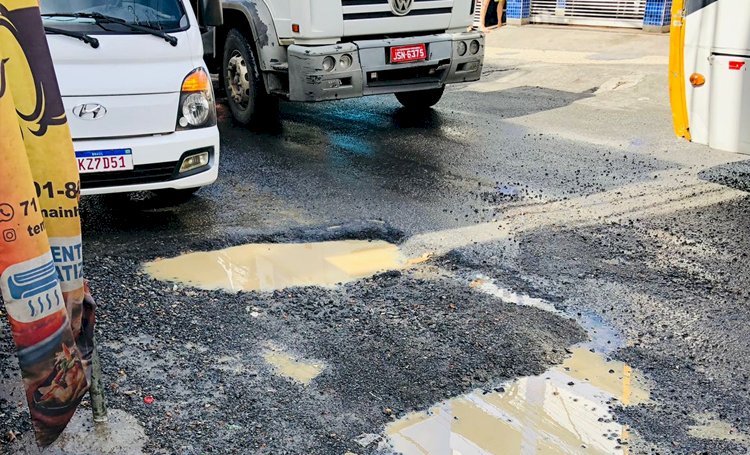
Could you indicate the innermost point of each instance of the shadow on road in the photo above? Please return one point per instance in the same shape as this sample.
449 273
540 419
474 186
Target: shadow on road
134 218
734 175
429 119
521 101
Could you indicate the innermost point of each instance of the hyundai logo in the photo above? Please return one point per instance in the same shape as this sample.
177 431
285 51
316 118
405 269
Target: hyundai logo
401 7
90 111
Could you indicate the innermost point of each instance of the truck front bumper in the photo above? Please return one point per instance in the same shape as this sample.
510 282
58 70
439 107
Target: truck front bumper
157 160
371 72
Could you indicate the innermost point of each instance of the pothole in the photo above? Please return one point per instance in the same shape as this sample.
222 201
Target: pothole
292 366
274 266
603 338
566 410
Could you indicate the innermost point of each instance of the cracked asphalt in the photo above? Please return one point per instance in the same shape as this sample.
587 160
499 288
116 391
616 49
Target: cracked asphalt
556 177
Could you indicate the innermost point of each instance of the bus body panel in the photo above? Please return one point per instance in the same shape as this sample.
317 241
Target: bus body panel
729 108
716 46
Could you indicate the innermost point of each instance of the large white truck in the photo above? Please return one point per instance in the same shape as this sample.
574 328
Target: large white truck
318 50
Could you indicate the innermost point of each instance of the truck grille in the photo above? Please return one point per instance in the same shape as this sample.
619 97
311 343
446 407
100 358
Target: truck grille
358 10
147 173
406 76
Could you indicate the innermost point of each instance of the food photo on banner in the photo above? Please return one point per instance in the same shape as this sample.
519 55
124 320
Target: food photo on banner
50 314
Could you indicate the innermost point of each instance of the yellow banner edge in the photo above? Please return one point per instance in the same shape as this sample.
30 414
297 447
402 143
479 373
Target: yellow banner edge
677 95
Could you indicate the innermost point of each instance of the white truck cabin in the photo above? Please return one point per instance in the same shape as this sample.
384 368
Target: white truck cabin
137 93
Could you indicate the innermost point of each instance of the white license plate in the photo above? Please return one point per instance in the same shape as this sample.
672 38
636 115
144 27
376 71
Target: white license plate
105 160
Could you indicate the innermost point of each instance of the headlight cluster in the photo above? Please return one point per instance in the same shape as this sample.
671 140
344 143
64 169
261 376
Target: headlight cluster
344 62
196 108
471 46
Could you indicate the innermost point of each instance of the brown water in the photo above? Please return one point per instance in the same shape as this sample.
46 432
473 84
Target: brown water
291 366
534 415
272 266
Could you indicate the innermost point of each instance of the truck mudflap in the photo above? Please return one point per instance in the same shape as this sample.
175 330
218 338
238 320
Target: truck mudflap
349 70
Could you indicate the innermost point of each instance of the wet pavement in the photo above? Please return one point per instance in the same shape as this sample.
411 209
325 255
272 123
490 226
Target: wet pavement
535 266
565 410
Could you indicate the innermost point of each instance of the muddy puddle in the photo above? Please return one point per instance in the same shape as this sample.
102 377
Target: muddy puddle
565 410
292 366
273 266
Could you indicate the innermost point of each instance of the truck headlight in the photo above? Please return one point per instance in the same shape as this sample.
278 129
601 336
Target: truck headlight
346 61
329 63
474 47
196 108
462 48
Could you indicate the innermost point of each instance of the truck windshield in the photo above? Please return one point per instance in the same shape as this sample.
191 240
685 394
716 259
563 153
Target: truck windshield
164 15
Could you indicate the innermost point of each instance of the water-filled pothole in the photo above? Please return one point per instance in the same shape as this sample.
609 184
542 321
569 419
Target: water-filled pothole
292 366
273 266
566 410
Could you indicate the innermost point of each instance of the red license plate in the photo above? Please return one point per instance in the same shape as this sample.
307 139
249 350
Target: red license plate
413 53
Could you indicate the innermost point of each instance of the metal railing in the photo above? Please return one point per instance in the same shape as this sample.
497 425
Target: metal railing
616 13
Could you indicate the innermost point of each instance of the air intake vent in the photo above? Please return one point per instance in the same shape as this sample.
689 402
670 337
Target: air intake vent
389 17
148 173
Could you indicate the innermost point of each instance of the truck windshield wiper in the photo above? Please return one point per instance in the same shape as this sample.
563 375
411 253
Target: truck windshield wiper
104 19
90 40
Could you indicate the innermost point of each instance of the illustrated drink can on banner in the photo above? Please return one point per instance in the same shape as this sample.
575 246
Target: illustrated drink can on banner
41 274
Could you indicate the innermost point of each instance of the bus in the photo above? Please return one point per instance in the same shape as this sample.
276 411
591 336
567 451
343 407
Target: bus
709 72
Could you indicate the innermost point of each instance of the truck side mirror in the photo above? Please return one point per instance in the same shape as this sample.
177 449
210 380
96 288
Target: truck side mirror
210 14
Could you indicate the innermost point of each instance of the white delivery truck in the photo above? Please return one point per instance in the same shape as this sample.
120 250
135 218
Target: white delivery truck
136 91
316 50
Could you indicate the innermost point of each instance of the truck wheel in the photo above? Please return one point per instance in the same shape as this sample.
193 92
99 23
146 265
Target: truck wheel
421 99
243 84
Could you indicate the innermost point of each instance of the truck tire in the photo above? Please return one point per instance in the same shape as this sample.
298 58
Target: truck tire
421 99
243 84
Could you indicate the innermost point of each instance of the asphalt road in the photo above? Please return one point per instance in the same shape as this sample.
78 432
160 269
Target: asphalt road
556 210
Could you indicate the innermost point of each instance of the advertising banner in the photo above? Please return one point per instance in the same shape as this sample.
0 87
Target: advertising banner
41 275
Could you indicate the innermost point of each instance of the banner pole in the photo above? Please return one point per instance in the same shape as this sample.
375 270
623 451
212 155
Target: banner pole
98 402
